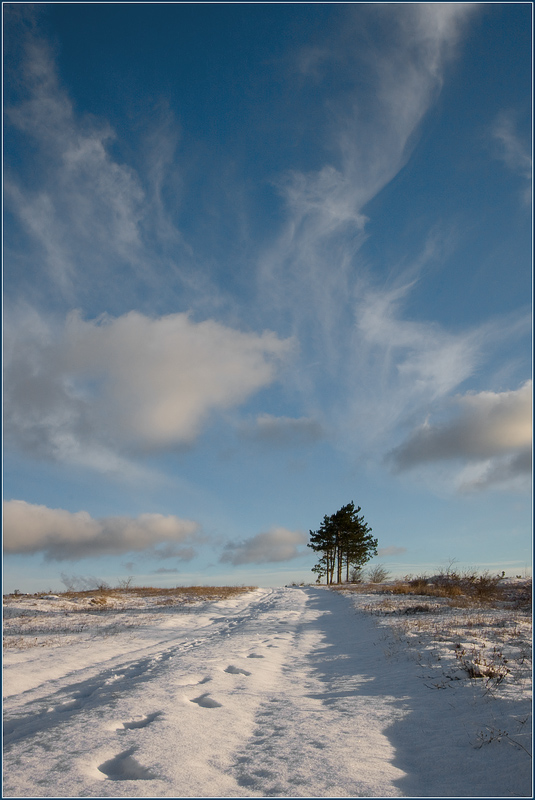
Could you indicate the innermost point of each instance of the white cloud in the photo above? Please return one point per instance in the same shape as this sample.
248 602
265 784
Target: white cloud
91 390
487 424
62 535
275 545
491 432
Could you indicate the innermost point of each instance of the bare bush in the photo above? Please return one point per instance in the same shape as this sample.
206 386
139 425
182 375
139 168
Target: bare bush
377 574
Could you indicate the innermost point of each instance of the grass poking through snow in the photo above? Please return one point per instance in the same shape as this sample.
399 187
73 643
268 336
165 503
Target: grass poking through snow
48 620
460 628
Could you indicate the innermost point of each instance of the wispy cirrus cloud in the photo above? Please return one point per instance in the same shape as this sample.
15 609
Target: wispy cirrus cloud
513 151
89 392
282 431
87 203
275 545
422 357
61 535
368 136
90 217
353 333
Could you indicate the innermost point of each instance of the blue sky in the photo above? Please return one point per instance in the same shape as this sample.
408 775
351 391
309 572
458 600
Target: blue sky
260 261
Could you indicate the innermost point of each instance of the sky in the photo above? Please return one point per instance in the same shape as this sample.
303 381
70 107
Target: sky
261 261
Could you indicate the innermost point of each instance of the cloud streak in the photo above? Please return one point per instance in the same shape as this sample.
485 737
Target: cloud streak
282 431
369 142
65 536
512 151
385 552
90 218
92 205
275 545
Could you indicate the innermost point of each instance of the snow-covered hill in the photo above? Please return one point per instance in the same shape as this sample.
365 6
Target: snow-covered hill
290 692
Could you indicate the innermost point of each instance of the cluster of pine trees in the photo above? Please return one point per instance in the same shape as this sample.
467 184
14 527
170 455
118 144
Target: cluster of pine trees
344 542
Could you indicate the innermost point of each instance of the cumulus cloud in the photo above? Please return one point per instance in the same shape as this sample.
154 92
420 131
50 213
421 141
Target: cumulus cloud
88 390
487 424
63 535
275 545
282 431
490 431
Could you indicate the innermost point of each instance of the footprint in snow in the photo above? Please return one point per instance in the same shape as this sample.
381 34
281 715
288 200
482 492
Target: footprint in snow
142 722
193 680
124 767
68 705
254 655
236 670
205 701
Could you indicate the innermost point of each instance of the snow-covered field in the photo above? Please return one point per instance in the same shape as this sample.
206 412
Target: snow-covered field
290 692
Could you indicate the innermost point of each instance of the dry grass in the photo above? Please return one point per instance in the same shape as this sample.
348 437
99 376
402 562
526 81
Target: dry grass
486 642
98 612
471 625
462 590
184 594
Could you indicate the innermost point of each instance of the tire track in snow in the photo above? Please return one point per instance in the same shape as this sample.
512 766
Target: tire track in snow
217 728
116 678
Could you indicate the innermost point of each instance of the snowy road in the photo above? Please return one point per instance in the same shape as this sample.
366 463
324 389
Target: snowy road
278 692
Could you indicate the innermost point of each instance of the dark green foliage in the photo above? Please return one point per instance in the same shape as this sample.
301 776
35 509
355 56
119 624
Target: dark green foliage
344 542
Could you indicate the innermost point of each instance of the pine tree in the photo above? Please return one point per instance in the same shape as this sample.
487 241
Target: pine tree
343 540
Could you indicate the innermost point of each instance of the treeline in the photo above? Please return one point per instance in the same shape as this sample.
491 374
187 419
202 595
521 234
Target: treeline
344 543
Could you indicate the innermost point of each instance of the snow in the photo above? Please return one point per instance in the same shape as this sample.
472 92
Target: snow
288 692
